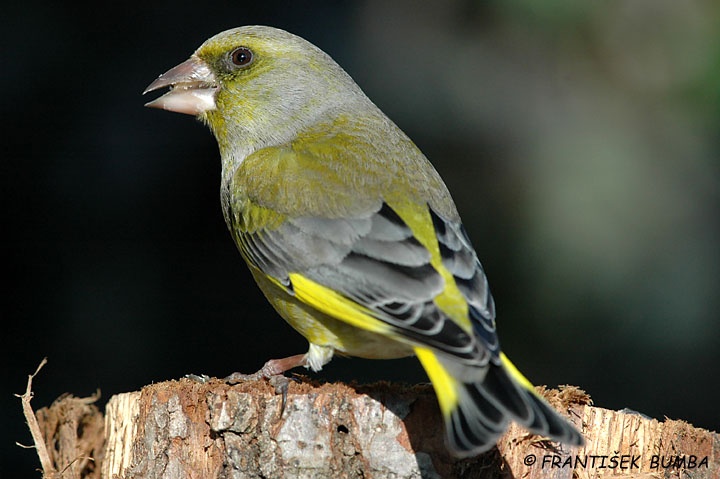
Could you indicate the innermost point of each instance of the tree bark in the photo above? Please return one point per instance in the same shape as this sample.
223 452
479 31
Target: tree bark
186 429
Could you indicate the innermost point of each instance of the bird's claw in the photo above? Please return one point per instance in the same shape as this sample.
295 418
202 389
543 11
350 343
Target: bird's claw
236 378
278 381
281 384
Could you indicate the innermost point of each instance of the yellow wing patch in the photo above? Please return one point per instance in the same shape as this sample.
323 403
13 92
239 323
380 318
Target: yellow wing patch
451 301
333 304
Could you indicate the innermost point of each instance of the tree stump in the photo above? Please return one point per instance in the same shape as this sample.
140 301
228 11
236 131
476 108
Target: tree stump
186 429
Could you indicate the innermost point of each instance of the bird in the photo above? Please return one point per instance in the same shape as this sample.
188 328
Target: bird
349 230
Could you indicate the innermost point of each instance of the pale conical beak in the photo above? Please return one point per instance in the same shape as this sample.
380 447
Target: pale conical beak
192 88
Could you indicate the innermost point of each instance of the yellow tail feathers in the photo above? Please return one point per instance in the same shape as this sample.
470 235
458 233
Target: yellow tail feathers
446 387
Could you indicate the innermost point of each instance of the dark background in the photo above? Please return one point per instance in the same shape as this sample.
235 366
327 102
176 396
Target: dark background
580 141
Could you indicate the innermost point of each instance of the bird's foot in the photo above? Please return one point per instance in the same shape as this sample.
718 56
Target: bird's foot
272 368
273 371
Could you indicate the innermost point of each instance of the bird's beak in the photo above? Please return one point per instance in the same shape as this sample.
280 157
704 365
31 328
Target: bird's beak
192 88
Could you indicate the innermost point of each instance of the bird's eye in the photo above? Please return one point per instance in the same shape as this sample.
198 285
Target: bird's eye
241 56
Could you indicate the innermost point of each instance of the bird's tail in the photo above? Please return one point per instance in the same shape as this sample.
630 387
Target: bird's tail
477 414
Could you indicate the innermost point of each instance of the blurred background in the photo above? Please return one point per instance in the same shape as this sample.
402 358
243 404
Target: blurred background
580 141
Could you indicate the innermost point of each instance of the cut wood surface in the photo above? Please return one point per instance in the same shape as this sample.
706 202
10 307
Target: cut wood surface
187 429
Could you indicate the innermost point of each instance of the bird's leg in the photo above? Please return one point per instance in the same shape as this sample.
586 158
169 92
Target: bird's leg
273 371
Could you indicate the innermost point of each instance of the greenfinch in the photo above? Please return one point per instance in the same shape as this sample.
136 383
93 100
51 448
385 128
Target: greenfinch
348 229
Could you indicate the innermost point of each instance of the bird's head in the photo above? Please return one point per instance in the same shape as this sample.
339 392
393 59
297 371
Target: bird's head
257 85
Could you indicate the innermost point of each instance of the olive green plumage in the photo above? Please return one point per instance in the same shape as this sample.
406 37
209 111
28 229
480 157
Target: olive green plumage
348 229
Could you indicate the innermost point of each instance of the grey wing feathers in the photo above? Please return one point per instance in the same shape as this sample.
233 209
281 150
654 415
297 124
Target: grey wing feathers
377 262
